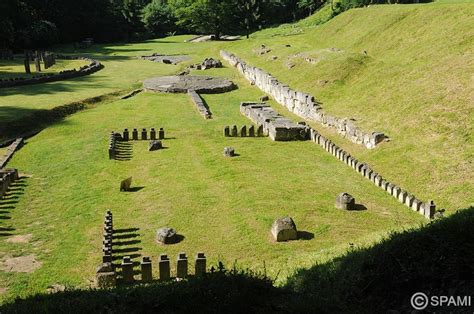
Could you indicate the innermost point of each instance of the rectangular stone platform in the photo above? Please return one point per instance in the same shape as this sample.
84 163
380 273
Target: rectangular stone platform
275 125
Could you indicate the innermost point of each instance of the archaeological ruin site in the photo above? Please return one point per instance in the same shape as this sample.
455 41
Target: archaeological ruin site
290 156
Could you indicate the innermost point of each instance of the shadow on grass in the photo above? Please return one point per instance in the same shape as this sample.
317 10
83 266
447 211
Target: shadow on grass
437 259
305 235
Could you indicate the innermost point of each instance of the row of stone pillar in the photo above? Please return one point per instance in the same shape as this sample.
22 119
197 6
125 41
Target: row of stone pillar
7 177
235 132
113 138
427 209
108 236
164 267
134 136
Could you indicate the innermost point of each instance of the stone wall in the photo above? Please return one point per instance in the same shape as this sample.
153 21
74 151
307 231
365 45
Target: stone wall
411 201
7 177
200 105
10 151
275 125
92 67
302 104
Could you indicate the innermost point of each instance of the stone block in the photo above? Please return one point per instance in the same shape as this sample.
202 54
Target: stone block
234 132
152 134
229 152
200 264
164 267
345 201
155 145
409 200
146 269
135 135
105 276
126 184
284 229
161 134
144 134
416 205
402 196
226 131
127 270
182 266
429 209
126 135
166 235
260 132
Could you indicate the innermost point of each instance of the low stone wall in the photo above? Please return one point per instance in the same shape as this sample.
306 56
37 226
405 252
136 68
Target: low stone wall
92 67
7 177
275 125
10 151
200 105
427 209
302 104
244 131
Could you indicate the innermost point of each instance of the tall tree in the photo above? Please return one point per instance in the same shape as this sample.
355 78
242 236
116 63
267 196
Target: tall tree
250 13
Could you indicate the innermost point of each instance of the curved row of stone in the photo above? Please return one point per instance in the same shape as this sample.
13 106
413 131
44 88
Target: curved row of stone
92 67
424 208
302 104
10 151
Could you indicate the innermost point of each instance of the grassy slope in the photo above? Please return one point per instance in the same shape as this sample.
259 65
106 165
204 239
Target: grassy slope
190 182
378 279
415 85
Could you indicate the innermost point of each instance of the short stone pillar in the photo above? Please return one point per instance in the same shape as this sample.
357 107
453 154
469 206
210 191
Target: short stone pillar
146 269
164 267
126 135
429 209
284 229
152 134
161 134
243 131
126 184
144 134
135 134
234 131
260 131
226 131
264 98
182 266
345 201
229 152
251 131
105 276
200 264
127 270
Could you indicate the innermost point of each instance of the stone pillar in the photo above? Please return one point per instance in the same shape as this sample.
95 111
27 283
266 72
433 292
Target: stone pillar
243 131
164 267
105 275
429 209
260 131
251 131
144 134
127 270
182 266
161 134
234 131
146 269
135 134
152 134
226 131
200 264
126 135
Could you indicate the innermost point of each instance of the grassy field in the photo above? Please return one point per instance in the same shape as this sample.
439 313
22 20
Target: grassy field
225 207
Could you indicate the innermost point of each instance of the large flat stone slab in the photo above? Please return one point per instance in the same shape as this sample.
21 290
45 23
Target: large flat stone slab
185 83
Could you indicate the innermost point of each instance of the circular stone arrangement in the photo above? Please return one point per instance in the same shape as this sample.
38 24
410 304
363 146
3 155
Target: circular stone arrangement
185 83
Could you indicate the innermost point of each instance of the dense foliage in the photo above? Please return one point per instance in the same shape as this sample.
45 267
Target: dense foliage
41 23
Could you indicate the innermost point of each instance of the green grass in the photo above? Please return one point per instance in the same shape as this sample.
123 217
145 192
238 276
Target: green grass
415 90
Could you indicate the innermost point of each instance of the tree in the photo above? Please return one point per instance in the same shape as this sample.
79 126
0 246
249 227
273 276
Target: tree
206 16
310 5
250 12
158 18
